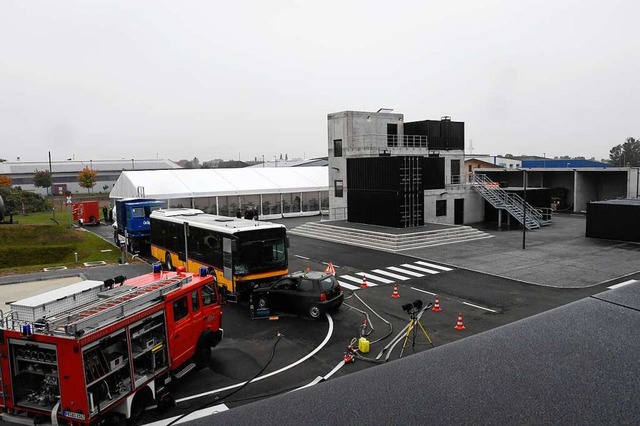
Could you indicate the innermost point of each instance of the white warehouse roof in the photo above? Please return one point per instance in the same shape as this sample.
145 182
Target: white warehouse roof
195 183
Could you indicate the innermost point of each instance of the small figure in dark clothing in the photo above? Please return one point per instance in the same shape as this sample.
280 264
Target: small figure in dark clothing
248 214
238 214
105 213
110 216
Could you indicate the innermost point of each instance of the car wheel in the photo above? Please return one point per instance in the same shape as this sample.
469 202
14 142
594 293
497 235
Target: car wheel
262 302
314 312
168 262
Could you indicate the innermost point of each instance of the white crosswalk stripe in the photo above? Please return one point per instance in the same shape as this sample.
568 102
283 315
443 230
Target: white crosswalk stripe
431 265
392 275
356 280
408 271
374 277
404 271
348 286
417 268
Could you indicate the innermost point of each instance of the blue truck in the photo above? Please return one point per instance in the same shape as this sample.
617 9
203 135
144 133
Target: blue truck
132 225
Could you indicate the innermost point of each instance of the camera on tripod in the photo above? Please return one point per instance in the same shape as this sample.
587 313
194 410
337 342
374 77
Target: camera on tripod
412 308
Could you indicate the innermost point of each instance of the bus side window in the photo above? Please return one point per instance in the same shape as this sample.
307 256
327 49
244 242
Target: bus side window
208 295
180 309
195 302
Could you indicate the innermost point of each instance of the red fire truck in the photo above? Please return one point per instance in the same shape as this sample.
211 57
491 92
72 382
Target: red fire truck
86 213
99 352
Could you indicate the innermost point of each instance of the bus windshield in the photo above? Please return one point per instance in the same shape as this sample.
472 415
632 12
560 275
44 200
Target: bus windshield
256 255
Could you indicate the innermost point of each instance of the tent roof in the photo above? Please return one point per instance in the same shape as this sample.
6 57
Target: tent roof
195 183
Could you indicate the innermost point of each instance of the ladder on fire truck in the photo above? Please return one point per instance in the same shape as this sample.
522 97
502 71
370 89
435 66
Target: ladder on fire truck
106 311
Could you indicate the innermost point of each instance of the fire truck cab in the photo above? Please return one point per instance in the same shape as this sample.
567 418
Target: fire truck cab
98 352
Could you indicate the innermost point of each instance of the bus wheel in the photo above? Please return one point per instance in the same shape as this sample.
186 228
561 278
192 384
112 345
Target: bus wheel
168 262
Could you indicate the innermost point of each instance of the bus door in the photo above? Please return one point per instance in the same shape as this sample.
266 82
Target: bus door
227 261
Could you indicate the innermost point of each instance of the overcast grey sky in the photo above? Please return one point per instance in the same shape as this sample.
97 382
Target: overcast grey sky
144 79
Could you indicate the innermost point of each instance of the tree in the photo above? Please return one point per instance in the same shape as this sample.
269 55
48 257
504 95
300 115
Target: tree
88 178
5 181
42 179
626 154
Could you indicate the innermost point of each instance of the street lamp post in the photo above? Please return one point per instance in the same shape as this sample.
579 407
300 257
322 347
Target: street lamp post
524 208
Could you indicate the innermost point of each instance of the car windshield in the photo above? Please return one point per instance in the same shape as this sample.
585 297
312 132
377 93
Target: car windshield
328 283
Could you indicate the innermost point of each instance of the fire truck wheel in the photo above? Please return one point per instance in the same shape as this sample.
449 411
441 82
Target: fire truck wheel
203 356
138 405
117 419
168 262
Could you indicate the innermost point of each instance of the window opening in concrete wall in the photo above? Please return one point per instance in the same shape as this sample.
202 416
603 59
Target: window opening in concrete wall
441 207
392 134
338 188
337 147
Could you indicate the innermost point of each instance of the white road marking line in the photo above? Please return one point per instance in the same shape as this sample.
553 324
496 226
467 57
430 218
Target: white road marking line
301 257
348 286
273 373
404 271
417 268
479 307
431 265
389 274
622 284
356 280
191 416
374 277
422 291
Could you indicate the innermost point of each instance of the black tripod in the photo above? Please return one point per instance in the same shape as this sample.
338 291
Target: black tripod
415 311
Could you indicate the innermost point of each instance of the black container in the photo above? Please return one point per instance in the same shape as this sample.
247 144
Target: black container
403 174
433 168
614 220
386 208
441 135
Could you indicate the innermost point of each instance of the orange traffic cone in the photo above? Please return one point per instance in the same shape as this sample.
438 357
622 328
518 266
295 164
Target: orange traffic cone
459 324
395 294
364 282
436 305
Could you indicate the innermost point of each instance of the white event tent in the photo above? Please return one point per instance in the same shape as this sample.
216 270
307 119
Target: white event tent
271 192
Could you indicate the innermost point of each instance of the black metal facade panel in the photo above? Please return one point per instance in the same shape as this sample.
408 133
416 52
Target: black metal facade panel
441 135
403 174
613 221
433 172
386 208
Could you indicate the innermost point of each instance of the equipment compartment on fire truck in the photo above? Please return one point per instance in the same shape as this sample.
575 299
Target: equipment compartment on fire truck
93 348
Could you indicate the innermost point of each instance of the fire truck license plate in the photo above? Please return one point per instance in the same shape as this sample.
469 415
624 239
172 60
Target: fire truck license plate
72 415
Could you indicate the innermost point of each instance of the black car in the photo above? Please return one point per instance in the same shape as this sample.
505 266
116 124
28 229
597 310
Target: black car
309 293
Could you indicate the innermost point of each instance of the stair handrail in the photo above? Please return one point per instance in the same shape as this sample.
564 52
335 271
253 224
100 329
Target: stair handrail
512 202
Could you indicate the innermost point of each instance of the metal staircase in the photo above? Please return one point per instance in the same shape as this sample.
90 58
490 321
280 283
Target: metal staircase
512 203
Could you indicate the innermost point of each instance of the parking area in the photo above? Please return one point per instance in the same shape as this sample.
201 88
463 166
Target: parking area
489 282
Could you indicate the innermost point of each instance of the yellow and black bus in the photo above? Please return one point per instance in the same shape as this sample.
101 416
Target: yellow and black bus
240 252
